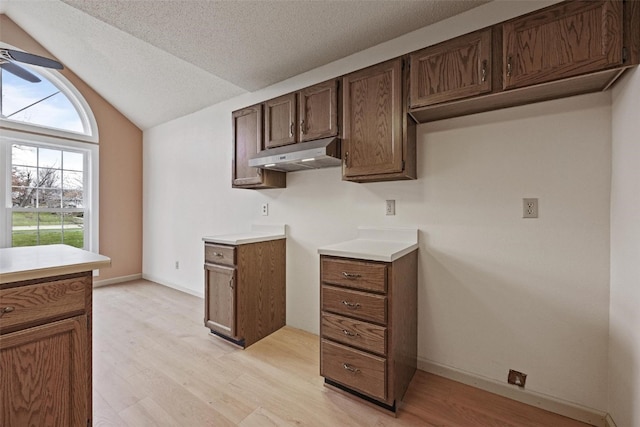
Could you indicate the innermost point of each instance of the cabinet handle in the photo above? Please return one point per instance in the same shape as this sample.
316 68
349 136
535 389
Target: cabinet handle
350 334
302 130
218 254
509 66
291 128
351 276
231 282
7 309
353 305
346 159
484 71
350 368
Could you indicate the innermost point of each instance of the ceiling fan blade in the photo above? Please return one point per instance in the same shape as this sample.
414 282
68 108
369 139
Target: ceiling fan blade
17 70
29 58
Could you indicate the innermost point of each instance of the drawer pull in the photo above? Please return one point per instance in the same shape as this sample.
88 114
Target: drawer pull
350 334
7 309
353 305
351 276
350 368
218 254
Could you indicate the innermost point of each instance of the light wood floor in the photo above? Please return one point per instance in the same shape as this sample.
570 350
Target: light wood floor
154 363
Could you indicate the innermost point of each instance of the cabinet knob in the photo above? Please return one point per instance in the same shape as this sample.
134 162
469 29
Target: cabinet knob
7 309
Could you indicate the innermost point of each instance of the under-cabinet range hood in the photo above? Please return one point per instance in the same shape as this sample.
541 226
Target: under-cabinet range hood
321 153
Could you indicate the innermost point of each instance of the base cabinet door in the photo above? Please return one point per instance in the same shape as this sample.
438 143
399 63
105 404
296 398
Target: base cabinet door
43 375
220 299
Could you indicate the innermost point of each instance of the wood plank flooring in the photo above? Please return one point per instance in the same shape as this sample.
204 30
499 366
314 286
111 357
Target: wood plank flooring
155 364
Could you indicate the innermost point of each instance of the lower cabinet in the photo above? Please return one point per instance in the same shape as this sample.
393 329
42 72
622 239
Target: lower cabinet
245 290
45 352
368 327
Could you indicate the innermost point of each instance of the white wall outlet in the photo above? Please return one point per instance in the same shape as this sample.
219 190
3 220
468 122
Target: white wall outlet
529 208
265 209
391 207
177 265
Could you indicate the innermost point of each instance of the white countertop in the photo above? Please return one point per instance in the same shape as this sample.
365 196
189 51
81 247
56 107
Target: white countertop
35 262
376 244
258 233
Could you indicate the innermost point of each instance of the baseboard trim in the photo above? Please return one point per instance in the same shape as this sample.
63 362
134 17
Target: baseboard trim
114 280
609 421
548 403
172 285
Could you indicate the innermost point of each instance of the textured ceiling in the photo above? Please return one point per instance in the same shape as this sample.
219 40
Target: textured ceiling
159 60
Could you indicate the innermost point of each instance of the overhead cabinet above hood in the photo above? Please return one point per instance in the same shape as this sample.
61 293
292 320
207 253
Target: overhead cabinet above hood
321 153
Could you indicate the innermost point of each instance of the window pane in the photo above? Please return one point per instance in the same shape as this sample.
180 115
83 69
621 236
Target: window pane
50 158
50 228
72 180
72 199
24 229
73 227
49 178
49 198
24 155
72 161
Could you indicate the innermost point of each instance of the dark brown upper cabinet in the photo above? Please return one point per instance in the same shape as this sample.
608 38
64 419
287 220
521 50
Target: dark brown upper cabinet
247 140
566 40
318 111
455 69
280 121
378 138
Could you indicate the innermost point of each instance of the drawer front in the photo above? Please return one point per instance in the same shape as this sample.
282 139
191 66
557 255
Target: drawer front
33 304
361 305
368 276
363 335
219 254
355 369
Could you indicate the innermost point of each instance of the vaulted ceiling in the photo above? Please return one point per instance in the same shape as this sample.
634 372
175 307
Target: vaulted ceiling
158 60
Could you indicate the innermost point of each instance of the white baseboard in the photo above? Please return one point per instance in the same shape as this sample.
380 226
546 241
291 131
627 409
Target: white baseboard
121 279
173 285
609 421
548 403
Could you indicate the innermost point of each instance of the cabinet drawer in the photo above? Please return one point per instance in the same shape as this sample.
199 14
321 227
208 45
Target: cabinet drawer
355 274
219 254
356 304
355 369
33 304
363 335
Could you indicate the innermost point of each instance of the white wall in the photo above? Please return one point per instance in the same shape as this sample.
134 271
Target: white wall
495 291
624 339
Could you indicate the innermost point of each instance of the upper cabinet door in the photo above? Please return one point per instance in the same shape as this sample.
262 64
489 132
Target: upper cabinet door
280 121
561 41
451 70
318 111
247 136
373 120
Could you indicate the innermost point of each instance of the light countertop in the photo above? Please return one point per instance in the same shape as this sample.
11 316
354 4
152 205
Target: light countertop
35 262
258 233
376 244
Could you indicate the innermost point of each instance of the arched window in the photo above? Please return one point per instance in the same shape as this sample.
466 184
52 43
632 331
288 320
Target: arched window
48 141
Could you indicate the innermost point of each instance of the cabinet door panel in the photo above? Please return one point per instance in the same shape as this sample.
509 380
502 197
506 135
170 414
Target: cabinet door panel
280 121
372 102
567 40
247 135
455 69
58 394
319 111
220 299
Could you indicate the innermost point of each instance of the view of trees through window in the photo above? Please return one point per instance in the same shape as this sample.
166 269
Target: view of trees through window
47 196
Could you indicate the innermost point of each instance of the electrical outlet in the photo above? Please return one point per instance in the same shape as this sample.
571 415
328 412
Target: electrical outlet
529 208
265 209
516 378
177 265
391 207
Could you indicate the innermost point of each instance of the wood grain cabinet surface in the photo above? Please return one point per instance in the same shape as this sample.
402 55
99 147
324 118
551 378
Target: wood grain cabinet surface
451 70
247 126
378 141
245 290
368 327
45 352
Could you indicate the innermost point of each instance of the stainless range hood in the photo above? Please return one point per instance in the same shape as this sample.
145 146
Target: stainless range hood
321 153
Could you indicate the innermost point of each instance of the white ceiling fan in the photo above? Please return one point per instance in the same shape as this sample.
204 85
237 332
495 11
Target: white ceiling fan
10 60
